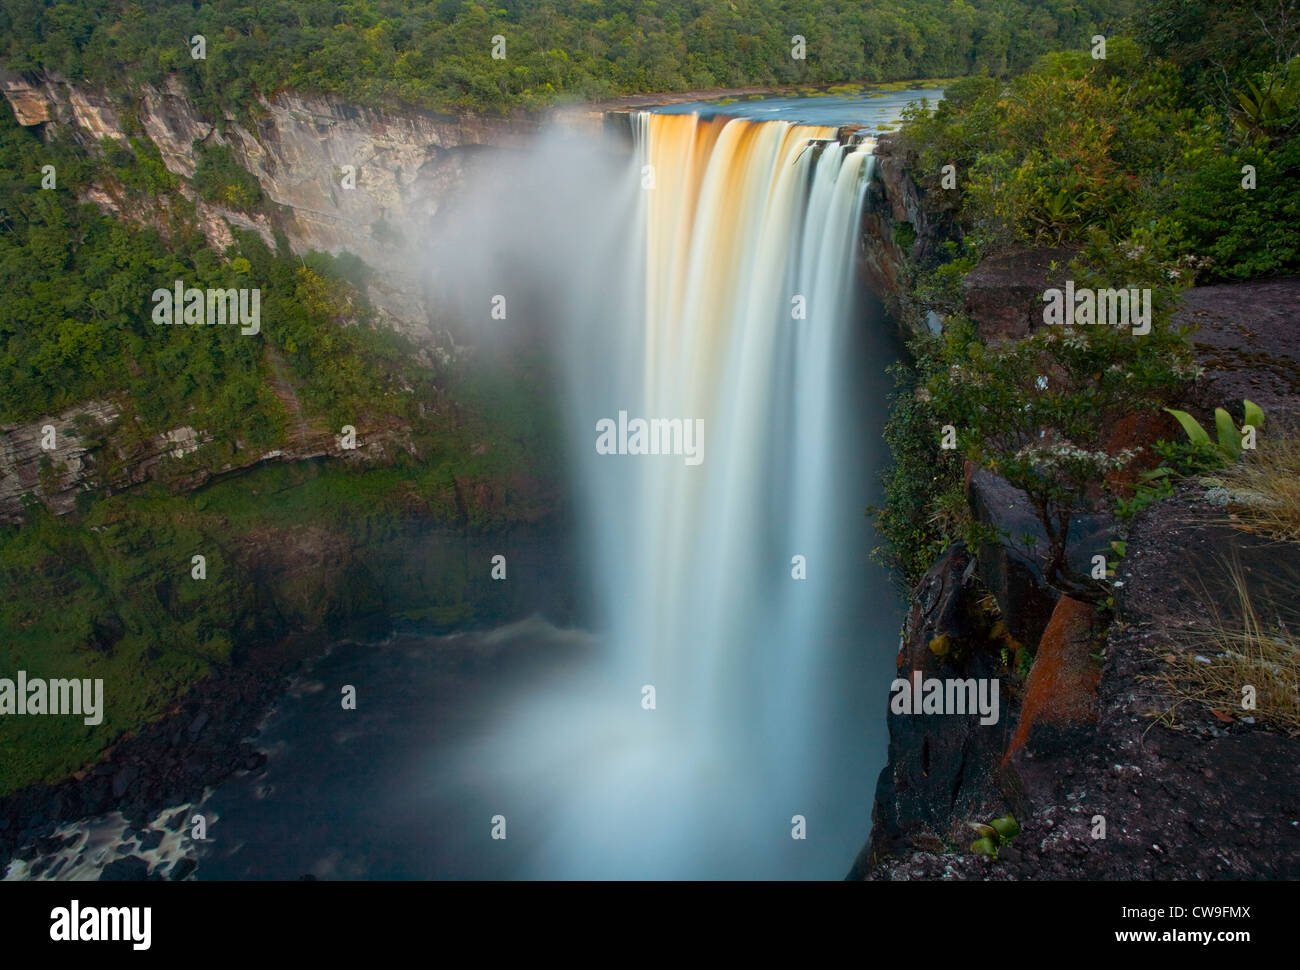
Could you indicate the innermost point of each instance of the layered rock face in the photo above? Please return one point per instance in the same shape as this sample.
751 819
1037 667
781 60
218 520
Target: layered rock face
340 177
346 177
942 771
896 226
53 459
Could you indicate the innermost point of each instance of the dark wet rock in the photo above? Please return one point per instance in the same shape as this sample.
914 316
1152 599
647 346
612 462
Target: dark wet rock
122 781
941 768
27 852
96 793
151 840
1013 569
197 725
182 869
54 843
39 866
129 869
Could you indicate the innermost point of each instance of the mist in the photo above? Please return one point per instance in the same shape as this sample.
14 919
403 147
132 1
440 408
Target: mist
728 723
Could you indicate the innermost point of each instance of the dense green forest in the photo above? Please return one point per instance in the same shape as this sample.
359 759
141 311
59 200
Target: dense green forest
440 54
1173 161
75 307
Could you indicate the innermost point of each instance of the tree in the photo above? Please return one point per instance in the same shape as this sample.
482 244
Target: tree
1040 411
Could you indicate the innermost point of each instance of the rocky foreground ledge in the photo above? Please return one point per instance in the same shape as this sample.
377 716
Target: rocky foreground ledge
1093 736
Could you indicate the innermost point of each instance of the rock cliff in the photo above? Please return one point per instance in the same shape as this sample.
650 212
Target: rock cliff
1109 774
341 177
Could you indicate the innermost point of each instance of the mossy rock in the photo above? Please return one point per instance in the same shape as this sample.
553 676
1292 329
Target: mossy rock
942 645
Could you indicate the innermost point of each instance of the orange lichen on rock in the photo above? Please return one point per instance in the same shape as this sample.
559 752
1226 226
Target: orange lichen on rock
1062 684
1139 432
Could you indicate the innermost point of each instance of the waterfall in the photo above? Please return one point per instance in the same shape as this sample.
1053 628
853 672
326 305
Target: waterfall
706 282
748 234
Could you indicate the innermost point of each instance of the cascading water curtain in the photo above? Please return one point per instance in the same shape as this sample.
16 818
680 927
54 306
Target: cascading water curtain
706 291
716 572
750 236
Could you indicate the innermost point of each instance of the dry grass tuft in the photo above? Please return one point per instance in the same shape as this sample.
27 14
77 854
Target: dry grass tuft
1265 489
1238 650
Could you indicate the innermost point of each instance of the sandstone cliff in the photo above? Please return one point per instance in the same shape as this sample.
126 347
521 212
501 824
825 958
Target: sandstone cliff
406 165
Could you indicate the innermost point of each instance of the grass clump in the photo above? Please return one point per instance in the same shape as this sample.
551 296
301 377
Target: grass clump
1248 656
1265 490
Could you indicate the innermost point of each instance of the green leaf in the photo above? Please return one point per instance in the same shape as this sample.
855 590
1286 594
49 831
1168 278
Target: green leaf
1229 438
1007 827
1254 415
985 847
1195 433
1160 472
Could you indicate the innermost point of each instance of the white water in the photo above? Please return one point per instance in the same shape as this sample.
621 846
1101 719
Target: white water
676 302
697 562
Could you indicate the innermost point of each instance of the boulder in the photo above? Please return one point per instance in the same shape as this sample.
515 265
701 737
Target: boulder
1061 692
129 869
1012 569
942 769
1003 295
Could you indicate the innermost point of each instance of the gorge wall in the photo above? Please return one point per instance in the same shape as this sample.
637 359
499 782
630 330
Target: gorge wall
1081 736
407 163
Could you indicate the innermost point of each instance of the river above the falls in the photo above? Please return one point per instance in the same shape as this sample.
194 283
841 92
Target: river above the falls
876 109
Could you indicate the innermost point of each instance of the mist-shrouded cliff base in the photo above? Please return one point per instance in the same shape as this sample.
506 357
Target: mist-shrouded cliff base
739 635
